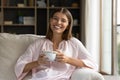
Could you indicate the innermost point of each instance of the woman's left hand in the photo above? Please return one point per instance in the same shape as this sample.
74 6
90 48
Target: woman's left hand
61 57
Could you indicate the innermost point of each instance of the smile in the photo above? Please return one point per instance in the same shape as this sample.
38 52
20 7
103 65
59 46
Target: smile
57 27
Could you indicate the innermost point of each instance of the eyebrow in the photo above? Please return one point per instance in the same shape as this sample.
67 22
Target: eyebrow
61 18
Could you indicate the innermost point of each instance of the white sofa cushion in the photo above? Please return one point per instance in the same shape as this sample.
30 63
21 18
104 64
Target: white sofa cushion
11 47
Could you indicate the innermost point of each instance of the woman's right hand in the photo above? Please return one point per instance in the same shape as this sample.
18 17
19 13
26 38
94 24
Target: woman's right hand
42 59
40 62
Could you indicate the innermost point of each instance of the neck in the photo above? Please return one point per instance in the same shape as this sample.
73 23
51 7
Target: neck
56 40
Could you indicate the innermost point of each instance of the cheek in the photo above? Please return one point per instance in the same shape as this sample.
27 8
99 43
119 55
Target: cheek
66 25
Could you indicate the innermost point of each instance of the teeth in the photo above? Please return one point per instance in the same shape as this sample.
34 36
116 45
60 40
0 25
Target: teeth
57 27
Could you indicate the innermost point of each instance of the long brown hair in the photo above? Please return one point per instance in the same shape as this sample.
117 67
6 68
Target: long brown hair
67 34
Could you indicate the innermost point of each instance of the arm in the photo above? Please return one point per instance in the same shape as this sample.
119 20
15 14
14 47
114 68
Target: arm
30 66
80 56
76 62
65 59
41 60
22 62
29 59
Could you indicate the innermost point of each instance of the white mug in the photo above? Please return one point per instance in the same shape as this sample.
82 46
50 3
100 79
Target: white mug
51 55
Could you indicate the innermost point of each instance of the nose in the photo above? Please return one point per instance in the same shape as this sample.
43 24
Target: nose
59 21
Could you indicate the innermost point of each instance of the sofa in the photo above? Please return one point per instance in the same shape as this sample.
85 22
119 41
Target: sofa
11 47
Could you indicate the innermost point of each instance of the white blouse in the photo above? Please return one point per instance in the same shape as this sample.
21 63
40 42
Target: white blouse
54 70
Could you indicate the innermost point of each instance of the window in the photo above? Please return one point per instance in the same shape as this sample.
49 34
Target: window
101 34
98 33
106 37
118 33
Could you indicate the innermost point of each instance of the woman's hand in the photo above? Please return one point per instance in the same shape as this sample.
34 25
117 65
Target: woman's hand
42 59
61 57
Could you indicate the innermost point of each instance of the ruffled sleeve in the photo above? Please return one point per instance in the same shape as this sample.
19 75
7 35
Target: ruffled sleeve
85 56
22 61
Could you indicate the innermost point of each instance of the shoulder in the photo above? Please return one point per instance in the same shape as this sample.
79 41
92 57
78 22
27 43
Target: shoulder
41 39
38 41
75 41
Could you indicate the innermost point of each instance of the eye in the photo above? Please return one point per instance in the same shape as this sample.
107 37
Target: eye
55 18
63 20
58 19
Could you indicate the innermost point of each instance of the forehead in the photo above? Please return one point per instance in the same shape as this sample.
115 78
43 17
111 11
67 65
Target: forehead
60 15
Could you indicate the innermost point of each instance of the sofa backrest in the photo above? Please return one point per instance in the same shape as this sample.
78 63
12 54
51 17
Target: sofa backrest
11 47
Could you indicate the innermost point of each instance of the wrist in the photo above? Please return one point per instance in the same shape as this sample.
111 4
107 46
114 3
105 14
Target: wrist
38 62
68 60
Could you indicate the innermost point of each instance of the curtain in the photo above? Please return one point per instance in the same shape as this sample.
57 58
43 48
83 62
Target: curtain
92 28
98 25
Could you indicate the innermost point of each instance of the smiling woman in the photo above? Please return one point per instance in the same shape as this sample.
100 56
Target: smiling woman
72 60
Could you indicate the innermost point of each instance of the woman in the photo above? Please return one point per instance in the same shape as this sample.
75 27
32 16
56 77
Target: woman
72 60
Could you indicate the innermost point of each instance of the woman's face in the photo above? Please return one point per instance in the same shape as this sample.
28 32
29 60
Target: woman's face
59 23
